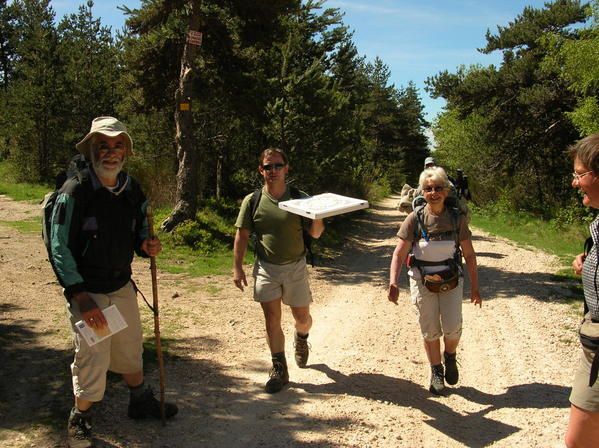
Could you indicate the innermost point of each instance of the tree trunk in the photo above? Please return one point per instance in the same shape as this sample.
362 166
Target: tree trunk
187 174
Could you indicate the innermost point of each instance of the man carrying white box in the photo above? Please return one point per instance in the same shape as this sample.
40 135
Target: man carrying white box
280 272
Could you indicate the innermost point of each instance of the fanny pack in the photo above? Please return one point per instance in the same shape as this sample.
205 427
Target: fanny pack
588 333
441 281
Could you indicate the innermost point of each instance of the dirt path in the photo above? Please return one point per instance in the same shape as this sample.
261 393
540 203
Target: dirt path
365 385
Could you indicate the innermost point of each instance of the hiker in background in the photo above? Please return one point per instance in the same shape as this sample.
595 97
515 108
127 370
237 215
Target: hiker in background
583 427
461 185
98 222
280 271
435 236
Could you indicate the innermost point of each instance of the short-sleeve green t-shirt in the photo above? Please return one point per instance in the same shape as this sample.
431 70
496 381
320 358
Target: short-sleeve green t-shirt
278 233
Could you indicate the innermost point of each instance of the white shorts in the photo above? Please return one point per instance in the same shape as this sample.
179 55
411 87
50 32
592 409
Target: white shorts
439 314
120 353
286 281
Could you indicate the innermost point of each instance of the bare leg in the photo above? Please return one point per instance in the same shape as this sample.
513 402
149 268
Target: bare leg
583 428
274 332
303 319
433 351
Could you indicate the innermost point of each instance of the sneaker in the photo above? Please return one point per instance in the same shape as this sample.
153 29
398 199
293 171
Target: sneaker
437 383
148 406
452 375
79 429
302 350
279 376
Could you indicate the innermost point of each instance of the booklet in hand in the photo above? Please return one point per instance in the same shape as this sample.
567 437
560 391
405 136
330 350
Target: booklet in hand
116 323
323 205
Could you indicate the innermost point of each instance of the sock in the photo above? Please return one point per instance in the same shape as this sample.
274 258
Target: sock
303 336
137 391
280 357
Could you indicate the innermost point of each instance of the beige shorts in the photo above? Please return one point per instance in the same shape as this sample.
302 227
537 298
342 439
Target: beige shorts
582 395
287 281
121 353
439 314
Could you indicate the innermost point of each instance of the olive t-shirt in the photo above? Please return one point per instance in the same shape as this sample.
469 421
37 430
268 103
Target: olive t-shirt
278 233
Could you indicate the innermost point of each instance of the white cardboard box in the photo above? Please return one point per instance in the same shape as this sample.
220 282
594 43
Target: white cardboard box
323 205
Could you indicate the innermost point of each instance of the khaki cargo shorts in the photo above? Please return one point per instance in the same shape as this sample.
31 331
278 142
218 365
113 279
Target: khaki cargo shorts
582 395
287 281
120 353
439 314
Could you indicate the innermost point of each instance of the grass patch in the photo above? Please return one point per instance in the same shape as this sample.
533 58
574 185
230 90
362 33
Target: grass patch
563 241
21 191
28 226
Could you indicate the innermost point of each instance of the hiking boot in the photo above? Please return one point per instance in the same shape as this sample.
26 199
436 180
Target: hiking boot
437 383
148 406
452 375
279 376
302 350
79 429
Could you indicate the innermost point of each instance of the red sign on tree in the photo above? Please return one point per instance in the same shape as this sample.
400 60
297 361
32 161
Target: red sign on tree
194 38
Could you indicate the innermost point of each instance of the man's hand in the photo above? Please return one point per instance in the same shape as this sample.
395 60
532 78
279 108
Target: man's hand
151 246
393 293
578 262
239 278
90 313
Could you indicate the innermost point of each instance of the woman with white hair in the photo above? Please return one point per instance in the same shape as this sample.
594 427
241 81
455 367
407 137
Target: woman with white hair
433 239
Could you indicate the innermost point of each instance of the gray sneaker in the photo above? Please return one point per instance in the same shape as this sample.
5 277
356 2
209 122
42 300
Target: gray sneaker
79 429
302 350
437 382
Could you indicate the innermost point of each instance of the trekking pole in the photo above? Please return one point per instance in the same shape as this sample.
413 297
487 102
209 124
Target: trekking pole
150 218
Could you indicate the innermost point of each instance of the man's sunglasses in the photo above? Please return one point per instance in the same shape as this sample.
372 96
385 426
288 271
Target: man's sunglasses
437 189
270 166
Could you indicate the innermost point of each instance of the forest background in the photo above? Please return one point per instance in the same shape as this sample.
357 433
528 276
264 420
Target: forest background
287 73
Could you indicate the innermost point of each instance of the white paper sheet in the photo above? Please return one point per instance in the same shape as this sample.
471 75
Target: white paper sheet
116 323
323 205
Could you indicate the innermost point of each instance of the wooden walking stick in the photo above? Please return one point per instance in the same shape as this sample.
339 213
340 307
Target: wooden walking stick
150 218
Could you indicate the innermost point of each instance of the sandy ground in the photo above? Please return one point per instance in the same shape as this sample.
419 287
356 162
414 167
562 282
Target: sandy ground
367 377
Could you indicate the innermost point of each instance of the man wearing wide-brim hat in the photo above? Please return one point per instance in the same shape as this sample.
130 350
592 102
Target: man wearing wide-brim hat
98 222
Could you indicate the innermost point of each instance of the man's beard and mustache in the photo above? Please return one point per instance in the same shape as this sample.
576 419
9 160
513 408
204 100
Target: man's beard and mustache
107 172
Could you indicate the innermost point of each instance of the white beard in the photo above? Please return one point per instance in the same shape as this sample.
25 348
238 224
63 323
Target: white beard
103 172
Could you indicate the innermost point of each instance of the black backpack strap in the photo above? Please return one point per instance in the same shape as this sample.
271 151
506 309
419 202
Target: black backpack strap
295 193
419 229
254 202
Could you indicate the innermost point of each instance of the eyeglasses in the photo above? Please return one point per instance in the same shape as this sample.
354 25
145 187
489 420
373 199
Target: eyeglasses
437 189
577 176
271 166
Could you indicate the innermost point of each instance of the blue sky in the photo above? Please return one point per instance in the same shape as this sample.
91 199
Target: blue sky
415 39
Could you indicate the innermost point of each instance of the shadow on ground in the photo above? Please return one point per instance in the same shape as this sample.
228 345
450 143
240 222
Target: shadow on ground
465 429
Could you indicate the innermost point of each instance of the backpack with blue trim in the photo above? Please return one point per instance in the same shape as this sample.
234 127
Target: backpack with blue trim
447 279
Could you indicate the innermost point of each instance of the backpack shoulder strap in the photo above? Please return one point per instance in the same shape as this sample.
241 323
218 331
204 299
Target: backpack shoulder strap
254 202
419 229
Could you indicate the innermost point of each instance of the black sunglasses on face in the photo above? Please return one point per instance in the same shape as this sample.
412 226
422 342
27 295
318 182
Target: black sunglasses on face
270 166
436 189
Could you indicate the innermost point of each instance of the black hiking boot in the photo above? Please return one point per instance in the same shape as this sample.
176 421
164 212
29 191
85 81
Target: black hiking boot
437 383
302 350
79 429
279 377
452 375
147 405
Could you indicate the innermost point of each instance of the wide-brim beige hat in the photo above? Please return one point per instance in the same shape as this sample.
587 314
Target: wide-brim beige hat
108 126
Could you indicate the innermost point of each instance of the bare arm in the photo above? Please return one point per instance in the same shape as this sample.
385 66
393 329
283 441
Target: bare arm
239 247
316 228
399 255
470 257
